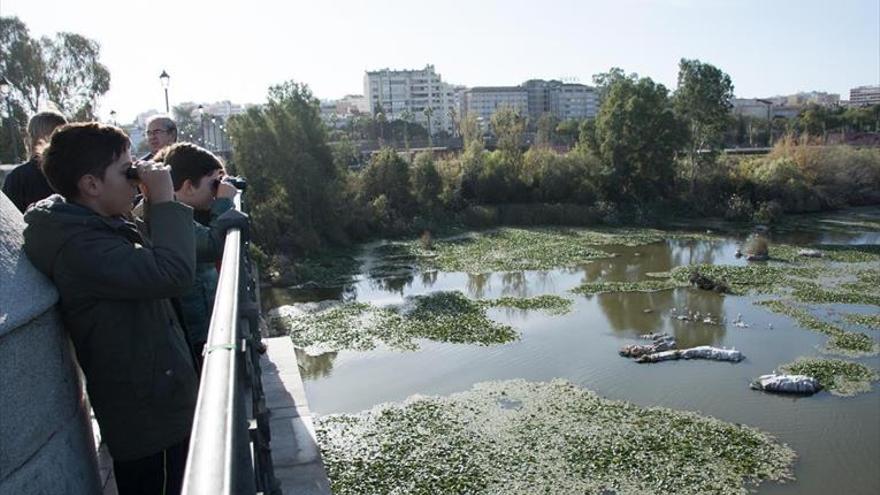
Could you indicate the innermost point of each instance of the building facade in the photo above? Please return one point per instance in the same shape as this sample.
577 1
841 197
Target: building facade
408 94
484 101
864 96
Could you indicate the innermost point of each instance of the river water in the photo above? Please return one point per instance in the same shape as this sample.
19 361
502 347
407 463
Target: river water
837 439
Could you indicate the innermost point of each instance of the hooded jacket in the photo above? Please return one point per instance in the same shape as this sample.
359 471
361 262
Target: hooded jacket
115 288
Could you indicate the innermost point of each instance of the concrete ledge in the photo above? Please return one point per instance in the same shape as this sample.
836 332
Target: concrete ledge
295 452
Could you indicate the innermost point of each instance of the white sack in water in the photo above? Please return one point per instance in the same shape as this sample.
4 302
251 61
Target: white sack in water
701 352
788 384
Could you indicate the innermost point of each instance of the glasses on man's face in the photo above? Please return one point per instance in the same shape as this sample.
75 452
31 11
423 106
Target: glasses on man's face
155 132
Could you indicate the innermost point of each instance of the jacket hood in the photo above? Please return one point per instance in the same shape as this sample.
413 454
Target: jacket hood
52 222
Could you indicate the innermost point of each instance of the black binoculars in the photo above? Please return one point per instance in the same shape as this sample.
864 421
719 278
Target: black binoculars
131 173
237 182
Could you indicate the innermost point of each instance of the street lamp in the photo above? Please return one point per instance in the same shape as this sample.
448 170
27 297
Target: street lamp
201 112
165 79
5 90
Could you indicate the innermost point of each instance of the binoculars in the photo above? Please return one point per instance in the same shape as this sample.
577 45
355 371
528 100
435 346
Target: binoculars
131 173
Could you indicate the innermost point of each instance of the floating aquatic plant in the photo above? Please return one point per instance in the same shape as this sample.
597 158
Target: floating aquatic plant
840 342
840 377
870 321
651 285
548 303
518 437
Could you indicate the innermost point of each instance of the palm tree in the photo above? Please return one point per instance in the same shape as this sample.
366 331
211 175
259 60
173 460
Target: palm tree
429 111
407 117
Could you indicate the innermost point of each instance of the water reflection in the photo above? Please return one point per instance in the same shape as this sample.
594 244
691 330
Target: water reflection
631 314
477 284
313 367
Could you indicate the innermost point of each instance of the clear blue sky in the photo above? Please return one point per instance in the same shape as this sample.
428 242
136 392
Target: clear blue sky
216 50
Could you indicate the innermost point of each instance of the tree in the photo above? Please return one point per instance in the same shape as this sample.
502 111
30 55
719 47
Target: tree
64 70
388 175
546 129
703 101
294 186
406 116
636 138
470 130
508 126
426 182
429 112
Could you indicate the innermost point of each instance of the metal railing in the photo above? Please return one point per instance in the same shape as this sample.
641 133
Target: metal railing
229 444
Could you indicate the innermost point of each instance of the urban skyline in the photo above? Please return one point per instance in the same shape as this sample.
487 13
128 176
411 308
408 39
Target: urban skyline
217 51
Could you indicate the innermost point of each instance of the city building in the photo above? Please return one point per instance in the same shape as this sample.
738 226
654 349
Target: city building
864 96
408 93
563 100
484 101
806 98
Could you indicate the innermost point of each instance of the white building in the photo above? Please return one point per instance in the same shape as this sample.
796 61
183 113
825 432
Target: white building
483 102
573 101
401 92
864 96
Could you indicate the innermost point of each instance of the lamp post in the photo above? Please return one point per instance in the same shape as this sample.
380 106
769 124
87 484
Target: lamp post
5 90
201 111
165 79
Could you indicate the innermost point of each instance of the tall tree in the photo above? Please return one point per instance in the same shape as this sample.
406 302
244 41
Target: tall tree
636 136
703 101
508 126
64 70
295 186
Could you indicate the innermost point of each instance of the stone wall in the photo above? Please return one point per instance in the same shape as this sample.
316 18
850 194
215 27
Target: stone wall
46 437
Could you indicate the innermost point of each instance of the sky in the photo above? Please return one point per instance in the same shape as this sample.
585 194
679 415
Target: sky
235 50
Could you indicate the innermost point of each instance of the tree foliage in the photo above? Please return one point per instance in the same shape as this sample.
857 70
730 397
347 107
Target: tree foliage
636 136
295 187
64 71
703 101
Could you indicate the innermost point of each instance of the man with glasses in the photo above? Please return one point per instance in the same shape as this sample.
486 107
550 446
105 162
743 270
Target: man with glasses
161 132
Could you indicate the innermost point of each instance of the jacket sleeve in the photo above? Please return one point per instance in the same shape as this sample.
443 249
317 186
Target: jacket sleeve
209 240
13 189
109 266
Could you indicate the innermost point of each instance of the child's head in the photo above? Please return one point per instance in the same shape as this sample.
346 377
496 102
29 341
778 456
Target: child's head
194 172
40 128
86 163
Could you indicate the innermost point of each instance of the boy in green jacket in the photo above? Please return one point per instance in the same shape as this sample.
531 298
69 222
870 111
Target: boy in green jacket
197 175
115 289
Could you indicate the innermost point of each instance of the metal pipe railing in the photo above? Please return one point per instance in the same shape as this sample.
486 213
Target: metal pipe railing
228 448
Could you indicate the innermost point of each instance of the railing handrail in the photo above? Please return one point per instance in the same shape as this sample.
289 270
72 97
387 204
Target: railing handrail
222 459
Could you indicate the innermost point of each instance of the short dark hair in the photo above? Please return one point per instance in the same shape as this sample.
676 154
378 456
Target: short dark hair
80 149
188 161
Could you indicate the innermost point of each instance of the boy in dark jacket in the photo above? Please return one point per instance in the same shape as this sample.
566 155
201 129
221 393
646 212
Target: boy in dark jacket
115 287
198 175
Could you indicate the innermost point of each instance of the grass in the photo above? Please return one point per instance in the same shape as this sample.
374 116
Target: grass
840 341
743 279
843 378
518 437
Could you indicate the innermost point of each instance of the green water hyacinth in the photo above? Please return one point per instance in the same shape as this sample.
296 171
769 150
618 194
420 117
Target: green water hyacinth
870 321
516 249
518 437
551 304
843 378
439 316
840 341
652 285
